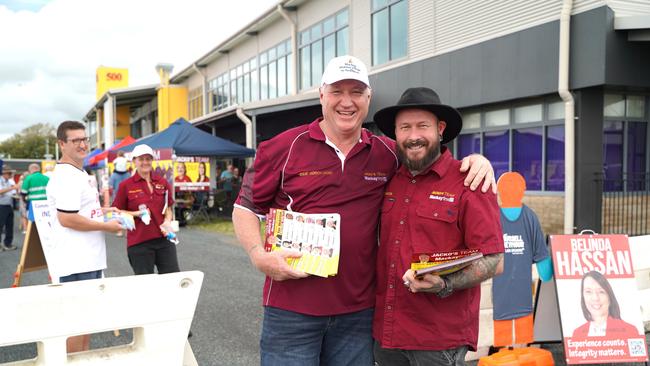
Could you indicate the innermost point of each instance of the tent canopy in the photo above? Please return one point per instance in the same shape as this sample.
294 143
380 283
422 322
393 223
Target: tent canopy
103 155
89 164
187 140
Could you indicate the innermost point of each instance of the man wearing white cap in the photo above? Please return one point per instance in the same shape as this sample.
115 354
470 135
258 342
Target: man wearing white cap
330 165
78 226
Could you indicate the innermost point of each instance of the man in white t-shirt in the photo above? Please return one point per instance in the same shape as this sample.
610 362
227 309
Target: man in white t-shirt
78 225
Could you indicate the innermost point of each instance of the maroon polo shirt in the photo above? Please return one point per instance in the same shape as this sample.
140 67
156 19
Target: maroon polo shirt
133 192
431 212
298 170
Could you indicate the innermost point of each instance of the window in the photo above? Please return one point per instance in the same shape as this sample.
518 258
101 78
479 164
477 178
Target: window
527 155
496 150
321 43
555 158
469 144
219 92
275 71
195 103
625 140
526 138
261 77
389 30
613 155
500 117
528 113
471 120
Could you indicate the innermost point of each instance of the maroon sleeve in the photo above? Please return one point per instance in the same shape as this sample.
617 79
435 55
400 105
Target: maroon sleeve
120 200
480 222
261 182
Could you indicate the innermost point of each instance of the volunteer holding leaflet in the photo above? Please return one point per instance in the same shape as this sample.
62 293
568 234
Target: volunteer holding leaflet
148 198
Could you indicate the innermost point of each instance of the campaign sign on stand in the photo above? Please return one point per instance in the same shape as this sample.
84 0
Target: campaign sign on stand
596 290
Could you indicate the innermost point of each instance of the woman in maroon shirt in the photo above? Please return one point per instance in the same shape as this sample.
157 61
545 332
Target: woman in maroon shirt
148 198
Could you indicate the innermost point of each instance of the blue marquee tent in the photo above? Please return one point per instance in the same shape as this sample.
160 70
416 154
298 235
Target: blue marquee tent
187 140
87 163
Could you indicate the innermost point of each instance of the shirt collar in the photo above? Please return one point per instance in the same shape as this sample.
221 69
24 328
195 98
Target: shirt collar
439 167
137 177
316 133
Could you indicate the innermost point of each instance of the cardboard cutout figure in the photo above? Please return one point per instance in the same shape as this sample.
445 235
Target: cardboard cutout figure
524 245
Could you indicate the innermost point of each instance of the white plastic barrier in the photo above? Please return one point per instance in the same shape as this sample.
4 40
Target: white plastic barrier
160 308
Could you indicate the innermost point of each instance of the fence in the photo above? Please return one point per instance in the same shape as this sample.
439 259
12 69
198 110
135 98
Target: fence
625 204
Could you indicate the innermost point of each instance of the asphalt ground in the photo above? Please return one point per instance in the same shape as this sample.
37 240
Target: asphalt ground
228 316
227 321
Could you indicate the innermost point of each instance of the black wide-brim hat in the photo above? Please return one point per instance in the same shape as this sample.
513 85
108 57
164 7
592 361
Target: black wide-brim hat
420 98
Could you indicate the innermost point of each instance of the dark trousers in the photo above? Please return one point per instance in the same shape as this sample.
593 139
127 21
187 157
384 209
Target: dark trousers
7 223
159 252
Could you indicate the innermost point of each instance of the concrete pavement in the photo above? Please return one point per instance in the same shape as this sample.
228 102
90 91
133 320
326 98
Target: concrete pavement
227 321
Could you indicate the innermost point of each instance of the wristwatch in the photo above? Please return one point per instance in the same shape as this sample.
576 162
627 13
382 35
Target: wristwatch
447 290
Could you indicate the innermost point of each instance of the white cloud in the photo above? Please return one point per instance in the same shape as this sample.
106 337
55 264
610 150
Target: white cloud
50 53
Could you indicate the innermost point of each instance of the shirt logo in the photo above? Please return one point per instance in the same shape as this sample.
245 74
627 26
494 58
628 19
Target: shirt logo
159 186
442 196
375 176
315 173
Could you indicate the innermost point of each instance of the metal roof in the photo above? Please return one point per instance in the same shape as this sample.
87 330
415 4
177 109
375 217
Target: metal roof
250 30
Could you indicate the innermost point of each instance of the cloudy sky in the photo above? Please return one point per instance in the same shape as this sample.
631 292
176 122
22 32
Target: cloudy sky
49 49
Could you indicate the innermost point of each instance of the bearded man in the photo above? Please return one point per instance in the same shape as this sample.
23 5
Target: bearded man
430 320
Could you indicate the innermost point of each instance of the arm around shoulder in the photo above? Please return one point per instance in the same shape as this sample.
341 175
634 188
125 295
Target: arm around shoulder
479 169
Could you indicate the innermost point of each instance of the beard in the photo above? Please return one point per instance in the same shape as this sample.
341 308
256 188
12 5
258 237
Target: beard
430 155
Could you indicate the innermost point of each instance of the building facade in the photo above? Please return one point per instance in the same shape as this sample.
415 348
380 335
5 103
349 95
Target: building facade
497 61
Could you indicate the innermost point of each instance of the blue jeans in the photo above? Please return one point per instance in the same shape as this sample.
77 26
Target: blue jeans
289 339
399 357
92 275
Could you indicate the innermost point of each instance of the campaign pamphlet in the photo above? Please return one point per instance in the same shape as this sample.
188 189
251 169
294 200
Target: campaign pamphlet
597 295
316 236
442 263
125 219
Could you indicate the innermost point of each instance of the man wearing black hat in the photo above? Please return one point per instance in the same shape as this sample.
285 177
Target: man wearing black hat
8 189
427 210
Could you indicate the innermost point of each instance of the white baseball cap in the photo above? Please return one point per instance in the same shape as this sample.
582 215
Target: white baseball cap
343 68
141 150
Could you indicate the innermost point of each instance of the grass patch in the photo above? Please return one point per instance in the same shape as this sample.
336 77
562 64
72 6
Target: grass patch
217 225
222 225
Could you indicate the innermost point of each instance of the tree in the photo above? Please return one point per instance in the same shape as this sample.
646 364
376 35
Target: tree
30 142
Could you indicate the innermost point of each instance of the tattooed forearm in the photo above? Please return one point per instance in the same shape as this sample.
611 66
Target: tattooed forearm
475 273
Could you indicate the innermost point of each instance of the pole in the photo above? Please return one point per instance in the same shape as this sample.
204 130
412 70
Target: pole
173 185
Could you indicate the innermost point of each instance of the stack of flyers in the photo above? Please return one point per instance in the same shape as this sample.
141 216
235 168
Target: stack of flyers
442 263
316 236
125 219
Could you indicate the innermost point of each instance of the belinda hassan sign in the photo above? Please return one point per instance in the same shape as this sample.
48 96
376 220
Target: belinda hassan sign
599 309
